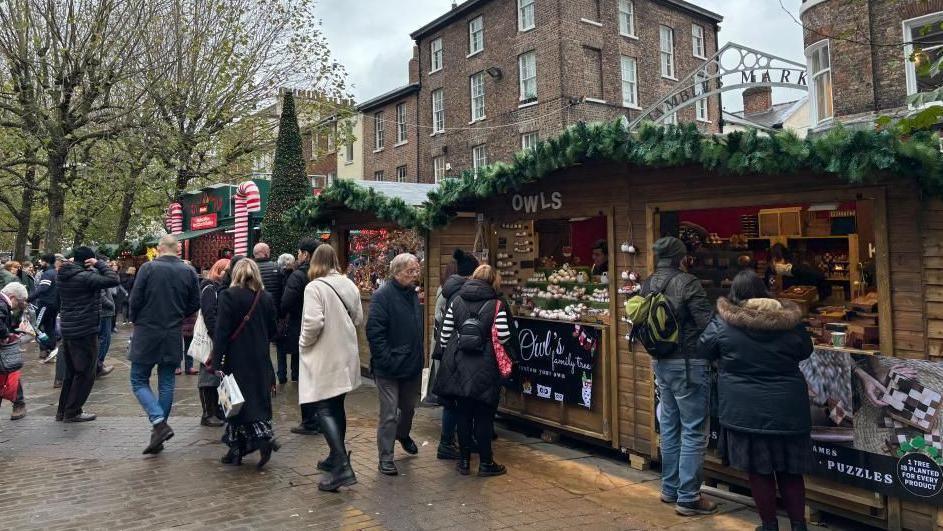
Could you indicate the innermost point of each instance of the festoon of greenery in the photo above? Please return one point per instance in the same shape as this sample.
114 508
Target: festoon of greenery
289 184
857 156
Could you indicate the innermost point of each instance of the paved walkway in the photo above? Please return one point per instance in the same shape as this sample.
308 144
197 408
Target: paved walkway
93 476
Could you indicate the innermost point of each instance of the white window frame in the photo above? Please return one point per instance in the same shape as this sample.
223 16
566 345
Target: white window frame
629 86
378 127
402 133
526 15
669 119
476 37
349 152
401 172
701 110
909 68
698 51
438 111
437 54
531 77
378 176
438 168
667 57
627 19
479 157
477 96
814 117
529 140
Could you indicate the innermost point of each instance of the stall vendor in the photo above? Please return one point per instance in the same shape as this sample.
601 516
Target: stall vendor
795 273
600 258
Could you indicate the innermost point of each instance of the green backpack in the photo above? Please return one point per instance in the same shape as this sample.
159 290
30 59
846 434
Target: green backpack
655 322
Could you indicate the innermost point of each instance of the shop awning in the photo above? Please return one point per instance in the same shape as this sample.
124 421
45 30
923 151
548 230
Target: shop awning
189 235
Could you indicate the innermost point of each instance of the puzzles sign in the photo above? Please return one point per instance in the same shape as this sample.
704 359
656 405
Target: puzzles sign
557 360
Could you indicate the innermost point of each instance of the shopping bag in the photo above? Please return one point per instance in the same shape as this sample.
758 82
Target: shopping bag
9 385
230 397
26 326
501 356
11 357
202 345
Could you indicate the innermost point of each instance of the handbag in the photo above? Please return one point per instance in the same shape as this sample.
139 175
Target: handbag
500 354
201 346
9 385
230 396
11 357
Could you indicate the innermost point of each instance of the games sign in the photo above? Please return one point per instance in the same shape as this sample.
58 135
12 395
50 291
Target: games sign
557 360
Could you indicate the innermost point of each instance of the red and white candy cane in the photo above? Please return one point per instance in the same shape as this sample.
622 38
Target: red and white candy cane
174 219
247 200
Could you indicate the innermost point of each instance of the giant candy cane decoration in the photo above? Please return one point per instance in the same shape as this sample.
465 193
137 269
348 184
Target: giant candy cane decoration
174 219
247 200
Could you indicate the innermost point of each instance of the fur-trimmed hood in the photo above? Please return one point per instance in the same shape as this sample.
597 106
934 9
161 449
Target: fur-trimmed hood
765 315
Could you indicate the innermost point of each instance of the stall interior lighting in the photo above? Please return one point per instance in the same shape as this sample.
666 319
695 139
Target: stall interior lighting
575 220
823 207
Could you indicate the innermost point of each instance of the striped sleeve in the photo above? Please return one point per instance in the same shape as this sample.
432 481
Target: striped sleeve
448 326
501 324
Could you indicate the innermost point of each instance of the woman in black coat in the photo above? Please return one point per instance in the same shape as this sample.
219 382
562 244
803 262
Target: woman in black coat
217 279
468 375
765 423
243 351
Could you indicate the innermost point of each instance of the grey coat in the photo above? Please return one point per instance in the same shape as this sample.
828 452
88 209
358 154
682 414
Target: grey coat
165 292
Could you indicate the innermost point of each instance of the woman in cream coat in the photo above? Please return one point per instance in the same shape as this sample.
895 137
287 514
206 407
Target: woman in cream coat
330 361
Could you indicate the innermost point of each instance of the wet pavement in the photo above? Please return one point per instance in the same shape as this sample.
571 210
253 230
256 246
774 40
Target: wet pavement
93 476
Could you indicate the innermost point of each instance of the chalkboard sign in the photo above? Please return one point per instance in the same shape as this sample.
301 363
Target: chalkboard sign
557 360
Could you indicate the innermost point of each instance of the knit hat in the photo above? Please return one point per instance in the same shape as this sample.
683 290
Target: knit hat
467 264
669 247
81 254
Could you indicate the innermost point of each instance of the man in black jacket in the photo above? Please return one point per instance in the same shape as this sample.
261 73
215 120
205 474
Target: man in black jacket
395 334
46 299
80 283
165 292
290 307
683 380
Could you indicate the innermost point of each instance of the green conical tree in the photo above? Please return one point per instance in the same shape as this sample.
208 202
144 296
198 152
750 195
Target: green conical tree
289 184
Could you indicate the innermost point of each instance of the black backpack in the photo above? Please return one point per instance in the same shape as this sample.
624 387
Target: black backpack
474 332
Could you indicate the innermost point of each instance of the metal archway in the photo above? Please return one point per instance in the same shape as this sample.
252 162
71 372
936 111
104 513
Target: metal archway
747 66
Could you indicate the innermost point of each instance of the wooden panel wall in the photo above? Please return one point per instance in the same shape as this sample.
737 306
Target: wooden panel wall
933 276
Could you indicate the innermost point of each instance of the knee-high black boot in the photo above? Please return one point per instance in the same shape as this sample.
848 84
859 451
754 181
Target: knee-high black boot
341 474
209 408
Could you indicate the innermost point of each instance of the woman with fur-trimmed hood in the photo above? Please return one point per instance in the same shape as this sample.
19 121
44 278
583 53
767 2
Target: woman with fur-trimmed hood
758 342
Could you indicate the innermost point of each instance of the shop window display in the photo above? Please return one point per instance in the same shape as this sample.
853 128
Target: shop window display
369 254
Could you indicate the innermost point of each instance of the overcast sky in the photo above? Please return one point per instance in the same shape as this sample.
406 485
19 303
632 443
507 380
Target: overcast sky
371 37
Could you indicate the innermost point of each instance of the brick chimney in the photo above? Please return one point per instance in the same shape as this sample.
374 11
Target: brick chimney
757 100
414 66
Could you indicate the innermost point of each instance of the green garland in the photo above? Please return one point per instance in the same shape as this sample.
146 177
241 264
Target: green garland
857 156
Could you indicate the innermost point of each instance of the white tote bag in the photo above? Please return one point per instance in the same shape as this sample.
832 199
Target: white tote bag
202 345
230 397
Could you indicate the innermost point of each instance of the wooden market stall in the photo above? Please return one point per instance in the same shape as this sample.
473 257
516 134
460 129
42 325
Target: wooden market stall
870 239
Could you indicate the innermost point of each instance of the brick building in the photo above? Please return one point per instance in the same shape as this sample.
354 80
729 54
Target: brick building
390 137
858 54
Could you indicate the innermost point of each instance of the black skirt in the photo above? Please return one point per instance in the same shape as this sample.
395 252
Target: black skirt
765 454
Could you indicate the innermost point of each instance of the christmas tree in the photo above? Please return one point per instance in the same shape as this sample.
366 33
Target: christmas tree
289 184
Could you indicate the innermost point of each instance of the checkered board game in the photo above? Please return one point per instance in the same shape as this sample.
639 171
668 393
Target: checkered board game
903 433
912 404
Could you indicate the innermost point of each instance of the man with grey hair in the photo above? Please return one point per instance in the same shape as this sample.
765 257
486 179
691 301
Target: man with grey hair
13 298
394 331
271 276
165 292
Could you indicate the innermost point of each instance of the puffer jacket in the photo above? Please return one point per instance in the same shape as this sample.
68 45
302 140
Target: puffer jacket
443 298
292 302
758 346
688 299
272 279
80 300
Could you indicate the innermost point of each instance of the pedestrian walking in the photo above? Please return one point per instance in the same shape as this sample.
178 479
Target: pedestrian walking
457 272
469 374
272 279
120 296
217 279
292 306
46 299
395 334
683 381
13 298
245 325
105 329
758 343
165 292
127 282
80 283
286 264
330 358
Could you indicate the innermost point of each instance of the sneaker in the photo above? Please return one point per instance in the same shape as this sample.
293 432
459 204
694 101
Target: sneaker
81 417
19 411
669 501
105 370
696 508
52 355
491 469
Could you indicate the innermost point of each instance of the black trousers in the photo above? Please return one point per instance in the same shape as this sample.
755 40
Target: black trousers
46 321
309 416
80 357
478 418
333 408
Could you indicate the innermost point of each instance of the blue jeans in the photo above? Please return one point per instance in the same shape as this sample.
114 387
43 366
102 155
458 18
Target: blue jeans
104 339
683 417
157 409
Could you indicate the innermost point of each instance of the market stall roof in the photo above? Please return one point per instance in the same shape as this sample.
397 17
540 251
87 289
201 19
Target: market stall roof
856 156
189 235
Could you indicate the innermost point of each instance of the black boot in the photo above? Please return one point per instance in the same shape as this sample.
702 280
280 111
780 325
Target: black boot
209 408
491 469
799 526
342 475
769 526
232 457
265 451
327 464
464 462
341 472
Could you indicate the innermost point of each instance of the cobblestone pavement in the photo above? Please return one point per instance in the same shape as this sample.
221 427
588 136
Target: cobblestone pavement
93 476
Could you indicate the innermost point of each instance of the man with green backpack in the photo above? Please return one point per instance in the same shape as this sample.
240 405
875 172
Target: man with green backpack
667 319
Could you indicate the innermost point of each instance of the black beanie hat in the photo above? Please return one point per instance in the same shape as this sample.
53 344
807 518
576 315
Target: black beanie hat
81 254
669 247
467 264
